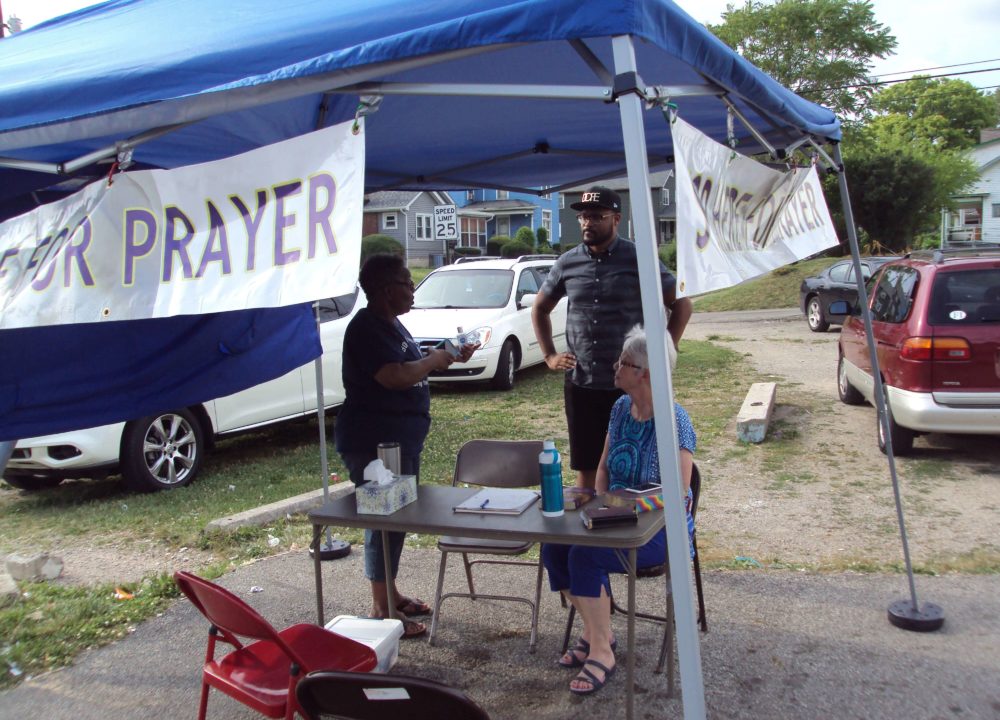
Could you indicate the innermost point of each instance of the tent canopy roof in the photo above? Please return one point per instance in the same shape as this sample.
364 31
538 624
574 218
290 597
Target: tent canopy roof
527 105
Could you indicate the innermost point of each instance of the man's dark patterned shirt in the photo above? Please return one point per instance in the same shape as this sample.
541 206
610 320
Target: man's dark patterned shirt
604 304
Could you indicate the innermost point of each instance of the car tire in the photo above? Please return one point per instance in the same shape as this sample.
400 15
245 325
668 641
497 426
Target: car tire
902 438
814 315
162 451
32 484
849 395
503 379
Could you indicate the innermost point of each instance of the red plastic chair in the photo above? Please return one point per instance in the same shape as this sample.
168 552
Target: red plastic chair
263 674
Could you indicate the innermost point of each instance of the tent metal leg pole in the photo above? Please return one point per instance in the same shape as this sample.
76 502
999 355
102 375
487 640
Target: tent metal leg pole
902 613
6 450
654 318
332 549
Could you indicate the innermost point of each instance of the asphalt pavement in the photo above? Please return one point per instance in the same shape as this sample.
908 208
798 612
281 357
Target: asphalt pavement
780 644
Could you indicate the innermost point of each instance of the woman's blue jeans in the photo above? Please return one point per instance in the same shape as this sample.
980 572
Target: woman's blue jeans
374 558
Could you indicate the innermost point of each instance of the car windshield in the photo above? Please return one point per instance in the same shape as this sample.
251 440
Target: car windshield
464 289
966 297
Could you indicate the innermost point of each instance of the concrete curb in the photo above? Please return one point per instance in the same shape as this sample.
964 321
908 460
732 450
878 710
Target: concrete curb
755 415
273 511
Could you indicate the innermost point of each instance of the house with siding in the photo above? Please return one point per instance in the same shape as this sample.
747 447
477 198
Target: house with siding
662 190
408 217
975 216
484 213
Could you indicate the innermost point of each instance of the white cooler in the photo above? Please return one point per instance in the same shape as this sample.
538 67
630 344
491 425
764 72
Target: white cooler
382 636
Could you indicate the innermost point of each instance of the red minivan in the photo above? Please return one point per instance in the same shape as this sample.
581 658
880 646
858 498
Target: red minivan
936 322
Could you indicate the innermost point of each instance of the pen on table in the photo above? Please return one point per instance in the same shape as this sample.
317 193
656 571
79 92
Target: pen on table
485 503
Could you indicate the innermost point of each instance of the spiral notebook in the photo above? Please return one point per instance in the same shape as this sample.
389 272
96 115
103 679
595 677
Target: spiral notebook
501 501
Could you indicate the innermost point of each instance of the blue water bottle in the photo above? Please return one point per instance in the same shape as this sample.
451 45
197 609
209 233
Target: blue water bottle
552 487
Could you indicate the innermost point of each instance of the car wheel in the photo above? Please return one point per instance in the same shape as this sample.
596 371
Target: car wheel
162 451
503 379
814 315
30 484
849 395
902 438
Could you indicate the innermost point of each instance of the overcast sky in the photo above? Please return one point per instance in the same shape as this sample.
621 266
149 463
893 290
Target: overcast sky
929 33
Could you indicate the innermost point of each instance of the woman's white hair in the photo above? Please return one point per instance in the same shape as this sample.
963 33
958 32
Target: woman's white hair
635 348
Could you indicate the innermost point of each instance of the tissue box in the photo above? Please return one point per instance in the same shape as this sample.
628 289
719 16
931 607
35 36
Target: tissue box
386 499
382 636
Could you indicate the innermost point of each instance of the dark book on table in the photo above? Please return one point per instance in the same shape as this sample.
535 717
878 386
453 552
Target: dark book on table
598 515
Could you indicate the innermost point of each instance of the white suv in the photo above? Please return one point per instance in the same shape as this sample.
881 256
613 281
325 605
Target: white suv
492 298
166 450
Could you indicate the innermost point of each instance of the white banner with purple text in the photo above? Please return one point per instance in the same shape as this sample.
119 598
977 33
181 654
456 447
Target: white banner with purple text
275 226
737 218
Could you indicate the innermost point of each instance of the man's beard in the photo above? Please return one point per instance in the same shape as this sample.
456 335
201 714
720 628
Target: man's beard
594 239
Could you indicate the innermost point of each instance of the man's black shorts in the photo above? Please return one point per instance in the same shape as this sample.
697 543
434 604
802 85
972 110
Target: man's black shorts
587 414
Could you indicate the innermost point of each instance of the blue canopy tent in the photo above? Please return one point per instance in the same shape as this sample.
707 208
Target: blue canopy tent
510 94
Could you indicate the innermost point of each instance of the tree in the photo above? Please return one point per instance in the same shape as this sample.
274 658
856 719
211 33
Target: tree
821 49
898 185
948 113
515 248
543 236
372 244
526 236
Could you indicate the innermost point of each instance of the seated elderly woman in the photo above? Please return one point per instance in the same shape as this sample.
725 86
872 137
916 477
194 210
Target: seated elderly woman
629 460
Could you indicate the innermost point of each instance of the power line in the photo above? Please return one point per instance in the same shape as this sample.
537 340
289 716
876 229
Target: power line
925 77
937 67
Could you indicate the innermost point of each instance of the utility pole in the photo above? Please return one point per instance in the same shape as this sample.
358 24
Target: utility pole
2 25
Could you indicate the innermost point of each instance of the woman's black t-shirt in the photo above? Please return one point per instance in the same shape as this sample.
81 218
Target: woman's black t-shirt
372 413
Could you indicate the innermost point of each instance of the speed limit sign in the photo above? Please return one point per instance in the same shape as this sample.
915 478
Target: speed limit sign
445 222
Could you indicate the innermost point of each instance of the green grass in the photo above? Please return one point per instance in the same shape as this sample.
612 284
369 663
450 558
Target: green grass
49 624
778 289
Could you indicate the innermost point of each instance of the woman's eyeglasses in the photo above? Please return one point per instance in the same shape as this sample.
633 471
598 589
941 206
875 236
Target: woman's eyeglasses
621 363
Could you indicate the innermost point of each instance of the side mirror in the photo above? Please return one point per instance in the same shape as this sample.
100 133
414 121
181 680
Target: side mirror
839 307
526 300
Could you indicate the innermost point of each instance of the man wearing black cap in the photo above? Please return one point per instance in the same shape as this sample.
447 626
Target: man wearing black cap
601 278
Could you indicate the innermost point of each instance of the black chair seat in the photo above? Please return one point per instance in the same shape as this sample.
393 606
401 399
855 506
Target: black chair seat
329 694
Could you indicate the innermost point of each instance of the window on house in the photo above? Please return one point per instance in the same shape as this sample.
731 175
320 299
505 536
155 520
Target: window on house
503 194
470 196
562 201
473 232
547 220
390 221
996 211
664 196
424 223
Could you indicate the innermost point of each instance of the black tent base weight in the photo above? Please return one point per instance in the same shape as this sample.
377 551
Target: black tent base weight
903 614
333 550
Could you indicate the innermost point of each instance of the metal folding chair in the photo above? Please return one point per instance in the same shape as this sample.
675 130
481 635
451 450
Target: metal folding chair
501 464
364 696
263 674
666 656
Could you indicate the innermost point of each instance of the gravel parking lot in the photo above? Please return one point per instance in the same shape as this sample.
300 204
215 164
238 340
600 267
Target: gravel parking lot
825 498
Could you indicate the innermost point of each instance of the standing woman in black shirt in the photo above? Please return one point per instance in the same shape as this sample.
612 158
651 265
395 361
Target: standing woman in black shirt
387 400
